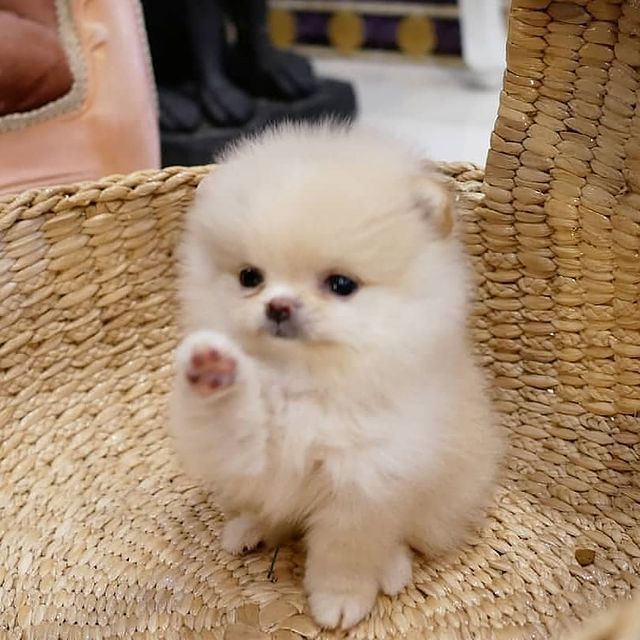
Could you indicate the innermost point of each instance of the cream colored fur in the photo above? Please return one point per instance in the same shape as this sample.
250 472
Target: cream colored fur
370 433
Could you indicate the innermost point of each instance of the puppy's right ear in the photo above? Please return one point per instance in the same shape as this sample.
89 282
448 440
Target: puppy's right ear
200 208
435 202
206 184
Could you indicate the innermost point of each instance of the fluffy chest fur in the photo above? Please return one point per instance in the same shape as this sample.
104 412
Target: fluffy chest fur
313 444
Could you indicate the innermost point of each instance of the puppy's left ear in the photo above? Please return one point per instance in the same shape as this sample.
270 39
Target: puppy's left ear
436 202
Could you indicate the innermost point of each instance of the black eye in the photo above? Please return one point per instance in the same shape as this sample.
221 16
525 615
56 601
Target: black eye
250 277
341 285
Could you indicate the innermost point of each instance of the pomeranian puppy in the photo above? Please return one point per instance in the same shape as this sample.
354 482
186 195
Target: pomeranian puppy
325 384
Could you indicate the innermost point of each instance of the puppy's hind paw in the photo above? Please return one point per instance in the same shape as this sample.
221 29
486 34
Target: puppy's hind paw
242 534
207 362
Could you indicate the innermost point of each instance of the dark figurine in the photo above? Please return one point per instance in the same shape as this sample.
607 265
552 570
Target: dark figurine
257 65
219 76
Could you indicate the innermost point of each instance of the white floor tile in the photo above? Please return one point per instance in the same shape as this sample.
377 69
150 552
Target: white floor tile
431 105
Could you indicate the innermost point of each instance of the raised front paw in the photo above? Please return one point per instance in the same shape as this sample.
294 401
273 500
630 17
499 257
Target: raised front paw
208 363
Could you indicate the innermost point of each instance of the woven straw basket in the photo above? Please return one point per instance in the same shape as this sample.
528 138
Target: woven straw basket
102 536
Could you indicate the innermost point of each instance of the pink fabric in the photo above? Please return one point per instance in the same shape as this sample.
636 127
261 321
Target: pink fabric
33 64
114 130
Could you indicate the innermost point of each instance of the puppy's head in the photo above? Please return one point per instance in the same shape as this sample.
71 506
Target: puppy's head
311 238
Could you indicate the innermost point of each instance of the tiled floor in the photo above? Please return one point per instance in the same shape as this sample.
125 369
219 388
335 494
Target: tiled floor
432 105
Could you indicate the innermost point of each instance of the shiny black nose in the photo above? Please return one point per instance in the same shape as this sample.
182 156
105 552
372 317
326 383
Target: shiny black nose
280 310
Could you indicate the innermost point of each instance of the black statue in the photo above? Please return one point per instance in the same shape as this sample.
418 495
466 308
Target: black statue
219 76
257 65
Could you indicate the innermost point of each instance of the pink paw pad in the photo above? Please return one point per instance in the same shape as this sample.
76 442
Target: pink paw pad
210 371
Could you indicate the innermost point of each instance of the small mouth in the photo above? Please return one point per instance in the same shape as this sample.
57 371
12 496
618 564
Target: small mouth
284 331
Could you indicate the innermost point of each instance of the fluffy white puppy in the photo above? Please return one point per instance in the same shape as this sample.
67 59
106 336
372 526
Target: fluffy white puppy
325 384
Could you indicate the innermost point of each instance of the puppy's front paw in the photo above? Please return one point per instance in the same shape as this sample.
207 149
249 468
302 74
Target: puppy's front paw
397 572
208 362
343 608
242 534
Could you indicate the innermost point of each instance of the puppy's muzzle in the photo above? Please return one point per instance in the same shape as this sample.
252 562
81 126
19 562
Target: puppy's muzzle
282 317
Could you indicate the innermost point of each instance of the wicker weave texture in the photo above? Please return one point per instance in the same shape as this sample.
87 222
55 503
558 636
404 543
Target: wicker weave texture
102 536
560 281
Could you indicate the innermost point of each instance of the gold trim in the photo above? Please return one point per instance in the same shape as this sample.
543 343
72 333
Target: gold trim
346 31
370 8
282 28
416 36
